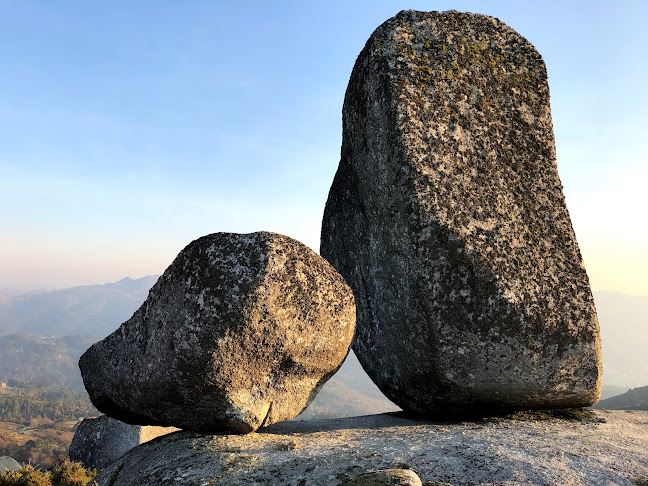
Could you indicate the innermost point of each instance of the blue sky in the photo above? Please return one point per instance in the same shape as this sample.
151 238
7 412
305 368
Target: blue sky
128 129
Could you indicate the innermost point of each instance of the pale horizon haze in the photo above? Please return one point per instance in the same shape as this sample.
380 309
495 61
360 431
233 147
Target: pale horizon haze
129 129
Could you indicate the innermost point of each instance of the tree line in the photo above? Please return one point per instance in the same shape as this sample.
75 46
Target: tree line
23 402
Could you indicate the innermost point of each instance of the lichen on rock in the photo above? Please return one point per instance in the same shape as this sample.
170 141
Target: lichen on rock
447 218
609 450
240 331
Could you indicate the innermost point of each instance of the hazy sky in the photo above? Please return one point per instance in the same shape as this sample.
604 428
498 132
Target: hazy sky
128 129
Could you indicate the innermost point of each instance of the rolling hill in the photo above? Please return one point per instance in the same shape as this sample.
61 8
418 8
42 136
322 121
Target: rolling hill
635 399
87 309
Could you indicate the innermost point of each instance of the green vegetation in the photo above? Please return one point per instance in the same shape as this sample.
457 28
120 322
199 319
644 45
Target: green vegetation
28 357
71 474
37 403
25 476
63 474
37 421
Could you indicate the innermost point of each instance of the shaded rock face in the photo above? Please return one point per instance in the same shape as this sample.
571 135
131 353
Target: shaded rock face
447 218
98 442
240 331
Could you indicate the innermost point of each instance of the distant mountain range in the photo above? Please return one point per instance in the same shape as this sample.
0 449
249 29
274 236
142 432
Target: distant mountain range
612 391
41 347
635 399
88 309
338 399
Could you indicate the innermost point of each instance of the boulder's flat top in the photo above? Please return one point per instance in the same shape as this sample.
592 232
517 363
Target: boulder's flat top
609 447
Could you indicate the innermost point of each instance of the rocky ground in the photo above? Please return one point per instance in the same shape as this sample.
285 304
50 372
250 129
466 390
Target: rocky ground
598 447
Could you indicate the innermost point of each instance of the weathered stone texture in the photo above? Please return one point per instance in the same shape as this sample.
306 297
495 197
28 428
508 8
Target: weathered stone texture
240 331
386 477
98 442
447 218
611 447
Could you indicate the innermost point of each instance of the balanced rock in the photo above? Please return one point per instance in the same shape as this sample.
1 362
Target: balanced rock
240 331
447 218
98 442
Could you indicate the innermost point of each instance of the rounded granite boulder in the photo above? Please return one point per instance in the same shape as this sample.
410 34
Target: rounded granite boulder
447 218
241 331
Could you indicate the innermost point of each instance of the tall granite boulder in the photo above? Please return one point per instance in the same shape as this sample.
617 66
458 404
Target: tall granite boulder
447 218
100 441
240 331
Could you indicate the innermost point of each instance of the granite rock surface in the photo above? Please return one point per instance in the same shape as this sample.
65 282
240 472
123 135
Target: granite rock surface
8 463
447 218
386 477
611 447
100 441
240 331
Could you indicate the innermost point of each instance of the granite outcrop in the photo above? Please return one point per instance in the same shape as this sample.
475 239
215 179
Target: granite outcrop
447 218
386 477
240 331
606 447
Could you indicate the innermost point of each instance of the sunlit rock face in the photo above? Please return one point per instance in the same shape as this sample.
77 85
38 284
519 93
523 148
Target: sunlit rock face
543 448
240 331
447 218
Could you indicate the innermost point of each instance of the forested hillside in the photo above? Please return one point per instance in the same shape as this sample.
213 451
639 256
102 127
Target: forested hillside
28 357
33 403
37 421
